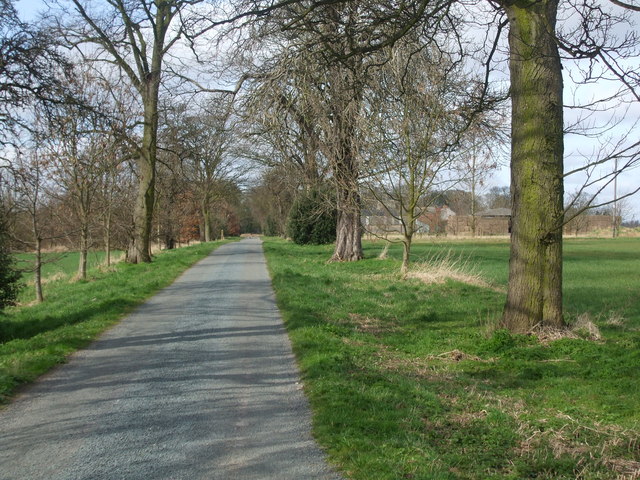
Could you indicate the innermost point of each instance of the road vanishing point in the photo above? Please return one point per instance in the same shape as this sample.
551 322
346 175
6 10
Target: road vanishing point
198 383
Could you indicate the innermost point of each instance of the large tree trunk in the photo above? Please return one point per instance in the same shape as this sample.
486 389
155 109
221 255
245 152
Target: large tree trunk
534 295
348 228
348 237
140 248
206 223
345 107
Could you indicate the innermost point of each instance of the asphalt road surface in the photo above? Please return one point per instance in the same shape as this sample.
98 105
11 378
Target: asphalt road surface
198 383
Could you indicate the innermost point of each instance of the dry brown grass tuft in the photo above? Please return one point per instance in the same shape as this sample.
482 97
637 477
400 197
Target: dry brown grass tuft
615 319
115 259
547 335
625 469
447 266
383 254
584 327
54 277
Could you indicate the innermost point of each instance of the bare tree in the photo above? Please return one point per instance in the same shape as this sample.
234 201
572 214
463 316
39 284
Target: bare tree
318 78
76 142
416 121
498 197
114 193
576 210
136 37
480 158
334 41
28 184
29 65
270 199
279 114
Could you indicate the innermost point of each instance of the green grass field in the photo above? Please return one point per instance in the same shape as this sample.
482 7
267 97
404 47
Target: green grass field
34 338
410 380
60 264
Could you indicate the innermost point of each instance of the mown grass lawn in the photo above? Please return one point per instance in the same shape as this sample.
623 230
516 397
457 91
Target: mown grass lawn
409 380
34 338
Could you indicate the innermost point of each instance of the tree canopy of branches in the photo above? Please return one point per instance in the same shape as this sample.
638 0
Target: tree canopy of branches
279 113
28 65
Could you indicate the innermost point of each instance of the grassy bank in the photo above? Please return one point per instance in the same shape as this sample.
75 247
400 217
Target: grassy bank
35 338
408 380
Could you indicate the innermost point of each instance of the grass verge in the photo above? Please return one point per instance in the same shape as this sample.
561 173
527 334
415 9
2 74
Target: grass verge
408 380
35 338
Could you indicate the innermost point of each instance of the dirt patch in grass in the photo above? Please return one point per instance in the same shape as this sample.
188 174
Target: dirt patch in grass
456 356
466 418
371 325
430 367
423 368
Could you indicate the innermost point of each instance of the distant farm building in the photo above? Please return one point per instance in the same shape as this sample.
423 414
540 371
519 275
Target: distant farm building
496 221
379 221
493 222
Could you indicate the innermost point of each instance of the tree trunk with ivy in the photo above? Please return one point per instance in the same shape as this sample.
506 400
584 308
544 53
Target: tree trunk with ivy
534 295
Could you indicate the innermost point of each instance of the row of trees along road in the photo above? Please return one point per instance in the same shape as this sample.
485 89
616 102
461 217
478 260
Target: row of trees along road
371 93
350 36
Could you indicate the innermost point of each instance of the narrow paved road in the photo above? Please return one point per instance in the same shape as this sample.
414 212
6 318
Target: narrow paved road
198 383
